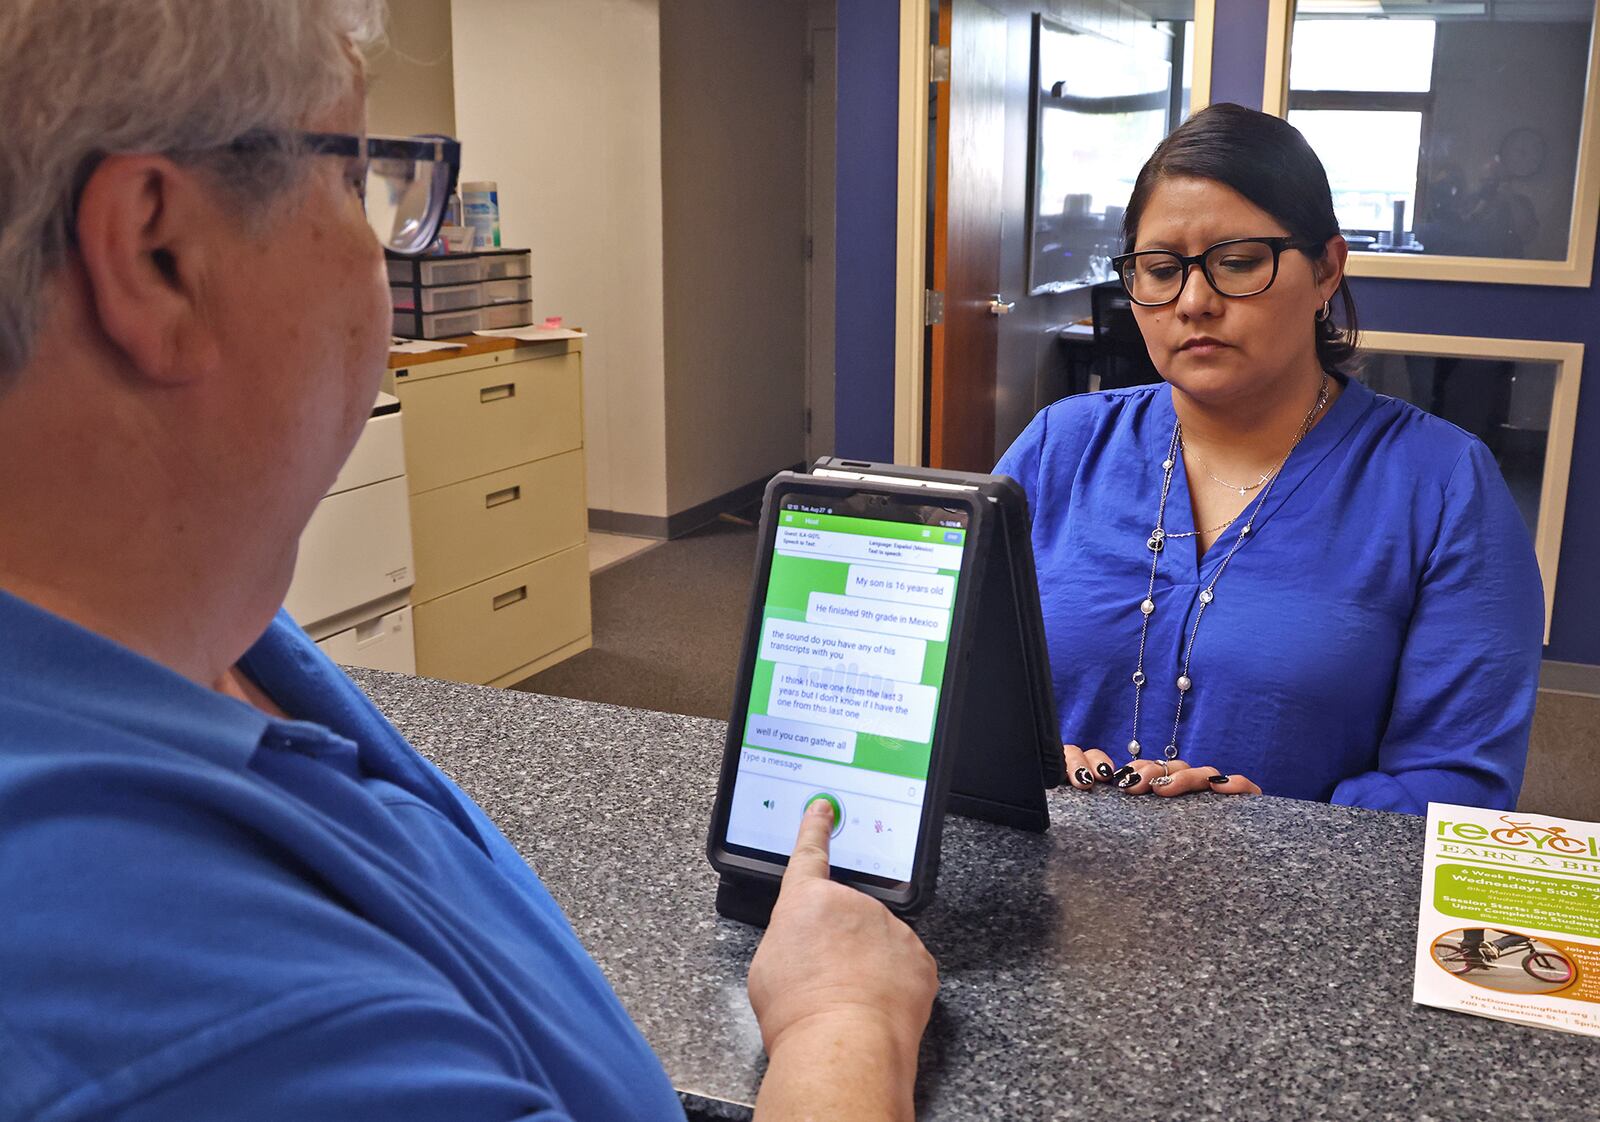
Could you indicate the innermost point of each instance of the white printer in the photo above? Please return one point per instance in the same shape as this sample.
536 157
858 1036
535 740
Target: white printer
352 582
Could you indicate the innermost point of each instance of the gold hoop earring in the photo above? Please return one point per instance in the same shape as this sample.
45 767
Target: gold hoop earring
1327 310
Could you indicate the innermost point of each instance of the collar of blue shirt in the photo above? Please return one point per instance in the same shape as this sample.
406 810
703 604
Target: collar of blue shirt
60 669
52 664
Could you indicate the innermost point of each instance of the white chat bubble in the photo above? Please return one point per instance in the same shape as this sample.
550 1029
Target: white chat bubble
879 616
844 649
838 745
862 703
932 590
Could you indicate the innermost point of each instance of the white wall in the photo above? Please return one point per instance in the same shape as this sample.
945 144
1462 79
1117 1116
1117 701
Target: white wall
409 85
560 103
733 124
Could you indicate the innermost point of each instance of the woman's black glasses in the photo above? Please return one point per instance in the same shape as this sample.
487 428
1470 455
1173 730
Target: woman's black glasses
1239 267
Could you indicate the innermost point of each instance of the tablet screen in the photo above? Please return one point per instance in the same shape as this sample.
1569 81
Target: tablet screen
855 629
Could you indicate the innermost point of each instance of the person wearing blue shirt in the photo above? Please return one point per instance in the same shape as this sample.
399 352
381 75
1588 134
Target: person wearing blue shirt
1260 576
231 890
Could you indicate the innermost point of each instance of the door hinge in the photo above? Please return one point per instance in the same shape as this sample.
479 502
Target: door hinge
808 422
811 248
808 72
932 307
938 63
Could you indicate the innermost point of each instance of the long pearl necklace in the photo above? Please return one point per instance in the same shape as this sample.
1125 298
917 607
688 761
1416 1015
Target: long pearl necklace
1158 539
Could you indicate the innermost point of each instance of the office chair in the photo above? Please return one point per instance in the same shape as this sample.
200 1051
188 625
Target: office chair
1120 356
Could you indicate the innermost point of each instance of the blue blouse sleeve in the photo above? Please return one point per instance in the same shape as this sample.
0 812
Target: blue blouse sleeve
1022 460
1469 668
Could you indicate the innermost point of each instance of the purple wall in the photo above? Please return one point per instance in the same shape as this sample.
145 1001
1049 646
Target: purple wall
1504 311
866 180
1239 52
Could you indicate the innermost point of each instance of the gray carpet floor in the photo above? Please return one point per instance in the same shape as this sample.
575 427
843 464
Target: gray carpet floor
1563 776
668 625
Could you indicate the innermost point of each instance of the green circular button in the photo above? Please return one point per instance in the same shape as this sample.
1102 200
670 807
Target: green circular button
838 810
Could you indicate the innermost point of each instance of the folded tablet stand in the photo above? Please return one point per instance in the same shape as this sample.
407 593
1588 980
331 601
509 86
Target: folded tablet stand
1008 746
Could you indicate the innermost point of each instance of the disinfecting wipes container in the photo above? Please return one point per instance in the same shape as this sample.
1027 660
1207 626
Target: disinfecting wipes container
481 202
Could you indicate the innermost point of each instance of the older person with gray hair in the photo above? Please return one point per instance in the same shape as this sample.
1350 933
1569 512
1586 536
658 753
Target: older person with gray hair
231 889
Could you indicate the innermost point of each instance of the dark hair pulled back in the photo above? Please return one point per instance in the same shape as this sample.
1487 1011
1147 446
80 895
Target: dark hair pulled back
1266 160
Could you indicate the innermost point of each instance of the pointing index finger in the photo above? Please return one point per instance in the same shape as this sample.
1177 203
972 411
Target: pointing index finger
810 856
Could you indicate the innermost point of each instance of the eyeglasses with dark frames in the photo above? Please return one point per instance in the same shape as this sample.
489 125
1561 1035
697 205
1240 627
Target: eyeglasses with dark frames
1235 268
405 182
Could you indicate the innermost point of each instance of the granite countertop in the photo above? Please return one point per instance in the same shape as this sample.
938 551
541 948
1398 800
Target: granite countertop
1202 957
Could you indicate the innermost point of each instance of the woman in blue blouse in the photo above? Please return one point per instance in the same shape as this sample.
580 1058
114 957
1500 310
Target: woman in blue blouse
1261 576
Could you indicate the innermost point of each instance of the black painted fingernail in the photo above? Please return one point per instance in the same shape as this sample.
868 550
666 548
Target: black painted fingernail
1104 770
1128 780
1217 778
1125 769
1083 777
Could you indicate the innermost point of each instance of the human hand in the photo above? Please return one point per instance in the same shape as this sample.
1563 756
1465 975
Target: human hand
1140 778
1086 767
836 963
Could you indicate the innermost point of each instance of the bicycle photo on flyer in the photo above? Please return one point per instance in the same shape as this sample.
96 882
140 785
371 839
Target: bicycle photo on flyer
1508 961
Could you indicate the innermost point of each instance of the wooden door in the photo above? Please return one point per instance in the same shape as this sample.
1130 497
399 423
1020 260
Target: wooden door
968 173
821 162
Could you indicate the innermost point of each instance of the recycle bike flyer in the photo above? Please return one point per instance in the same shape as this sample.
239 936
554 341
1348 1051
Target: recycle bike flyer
1510 924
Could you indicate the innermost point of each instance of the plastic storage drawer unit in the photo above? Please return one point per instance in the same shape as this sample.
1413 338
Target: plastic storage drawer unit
439 325
505 315
432 271
516 290
507 263
446 298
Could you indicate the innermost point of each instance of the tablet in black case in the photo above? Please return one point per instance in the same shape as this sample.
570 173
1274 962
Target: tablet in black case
894 664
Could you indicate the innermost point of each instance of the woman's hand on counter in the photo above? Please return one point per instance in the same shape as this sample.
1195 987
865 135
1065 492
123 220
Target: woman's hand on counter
1140 778
842 989
1086 767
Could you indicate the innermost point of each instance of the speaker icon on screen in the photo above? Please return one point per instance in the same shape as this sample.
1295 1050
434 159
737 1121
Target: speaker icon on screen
769 803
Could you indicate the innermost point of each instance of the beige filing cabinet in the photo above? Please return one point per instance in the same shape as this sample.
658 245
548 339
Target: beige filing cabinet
499 520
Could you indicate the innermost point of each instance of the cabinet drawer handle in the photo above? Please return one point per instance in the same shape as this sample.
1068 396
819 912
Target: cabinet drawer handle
497 393
501 497
506 599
